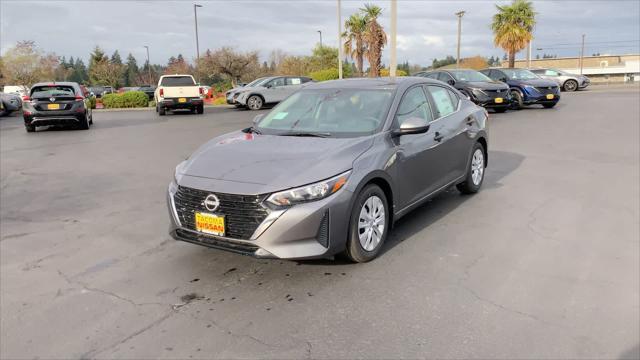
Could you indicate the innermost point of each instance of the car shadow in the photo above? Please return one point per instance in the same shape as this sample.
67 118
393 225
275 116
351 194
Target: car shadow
501 164
633 353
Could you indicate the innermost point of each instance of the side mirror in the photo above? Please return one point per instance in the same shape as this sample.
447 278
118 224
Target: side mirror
257 119
413 125
451 82
504 80
268 86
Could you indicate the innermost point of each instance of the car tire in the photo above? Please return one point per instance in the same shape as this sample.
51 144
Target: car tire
570 85
549 106
475 171
500 110
516 100
161 111
200 109
84 123
91 119
364 242
254 102
30 128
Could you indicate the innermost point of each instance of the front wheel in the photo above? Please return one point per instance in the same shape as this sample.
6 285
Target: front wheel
570 85
517 101
254 102
475 172
369 224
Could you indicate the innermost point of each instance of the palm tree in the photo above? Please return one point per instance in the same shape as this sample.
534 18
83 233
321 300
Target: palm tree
512 27
374 38
354 44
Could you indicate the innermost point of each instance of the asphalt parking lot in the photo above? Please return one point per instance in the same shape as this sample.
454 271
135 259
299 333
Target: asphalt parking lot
542 263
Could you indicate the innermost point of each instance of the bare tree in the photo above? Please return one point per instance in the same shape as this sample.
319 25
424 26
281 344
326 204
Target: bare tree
25 64
230 64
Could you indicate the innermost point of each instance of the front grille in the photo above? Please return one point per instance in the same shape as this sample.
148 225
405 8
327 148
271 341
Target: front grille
496 92
209 241
243 213
546 89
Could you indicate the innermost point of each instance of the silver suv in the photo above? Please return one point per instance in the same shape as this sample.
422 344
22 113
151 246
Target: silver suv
270 91
566 81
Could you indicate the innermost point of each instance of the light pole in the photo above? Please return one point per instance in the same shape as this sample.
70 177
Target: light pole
394 20
459 14
339 42
195 14
582 54
148 65
320 32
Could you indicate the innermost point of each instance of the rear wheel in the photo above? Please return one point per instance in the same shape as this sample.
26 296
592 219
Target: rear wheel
570 85
517 100
200 109
30 128
254 102
84 123
369 224
475 172
161 111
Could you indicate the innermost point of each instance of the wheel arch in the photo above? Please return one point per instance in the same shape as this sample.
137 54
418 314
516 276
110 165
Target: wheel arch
382 180
485 148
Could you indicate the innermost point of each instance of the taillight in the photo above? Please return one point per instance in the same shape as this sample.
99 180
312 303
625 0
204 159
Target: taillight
161 92
26 98
79 98
201 91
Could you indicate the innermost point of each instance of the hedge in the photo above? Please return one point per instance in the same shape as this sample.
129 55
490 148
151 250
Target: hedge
385 72
129 99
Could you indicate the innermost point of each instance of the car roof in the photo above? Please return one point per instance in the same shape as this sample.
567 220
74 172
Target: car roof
49 83
373 83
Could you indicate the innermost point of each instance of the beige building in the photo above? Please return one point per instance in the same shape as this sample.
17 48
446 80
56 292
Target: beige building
600 69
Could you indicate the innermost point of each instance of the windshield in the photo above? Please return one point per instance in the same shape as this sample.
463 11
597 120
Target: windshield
256 82
177 81
519 74
52 91
329 112
469 75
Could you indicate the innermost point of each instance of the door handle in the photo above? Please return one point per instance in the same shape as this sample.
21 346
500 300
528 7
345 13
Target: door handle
438 137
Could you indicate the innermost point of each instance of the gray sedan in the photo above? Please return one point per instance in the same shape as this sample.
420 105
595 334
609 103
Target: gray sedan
269 91
566 81
330 169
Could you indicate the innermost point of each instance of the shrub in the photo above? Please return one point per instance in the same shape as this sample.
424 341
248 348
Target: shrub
219 101
385 72
92 102
324 75
128 99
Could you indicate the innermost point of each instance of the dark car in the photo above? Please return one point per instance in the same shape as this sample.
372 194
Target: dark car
98 91
330 169
476 86
58 103
9 103
526 87
147 89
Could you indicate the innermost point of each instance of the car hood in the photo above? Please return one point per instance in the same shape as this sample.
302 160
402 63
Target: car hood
266 163
486 85
535 82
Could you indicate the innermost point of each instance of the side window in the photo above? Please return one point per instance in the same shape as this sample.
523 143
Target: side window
293 81
414 104
305 80
442 100
433 76
551 73
276 82
443 77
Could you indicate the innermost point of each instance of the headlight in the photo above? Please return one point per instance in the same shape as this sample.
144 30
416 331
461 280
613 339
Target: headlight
177 174
478 91
312 192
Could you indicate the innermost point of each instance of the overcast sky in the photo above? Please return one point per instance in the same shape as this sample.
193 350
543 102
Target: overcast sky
426 29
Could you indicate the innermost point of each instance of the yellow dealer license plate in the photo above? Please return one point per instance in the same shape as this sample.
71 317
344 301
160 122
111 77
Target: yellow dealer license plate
549 96
182 100
210 224
499 100
53 106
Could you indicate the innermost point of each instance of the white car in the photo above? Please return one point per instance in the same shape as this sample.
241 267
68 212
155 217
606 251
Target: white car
272 91
19 90
175 92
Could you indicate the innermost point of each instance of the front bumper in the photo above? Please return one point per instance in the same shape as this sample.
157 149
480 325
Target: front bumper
534 96
491 100
174 103
316 229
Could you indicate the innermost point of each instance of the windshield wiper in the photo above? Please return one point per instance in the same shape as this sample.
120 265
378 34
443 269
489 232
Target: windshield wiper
307 134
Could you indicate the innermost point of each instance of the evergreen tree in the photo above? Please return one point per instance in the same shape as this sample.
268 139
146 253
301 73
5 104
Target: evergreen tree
131 71
115 58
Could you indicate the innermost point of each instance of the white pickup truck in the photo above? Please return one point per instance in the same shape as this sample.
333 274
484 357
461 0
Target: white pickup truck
176 92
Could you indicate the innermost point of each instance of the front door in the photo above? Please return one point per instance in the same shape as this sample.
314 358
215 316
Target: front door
275 90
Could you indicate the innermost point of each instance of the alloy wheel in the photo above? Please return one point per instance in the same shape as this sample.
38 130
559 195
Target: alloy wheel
371 223
477 167
254 103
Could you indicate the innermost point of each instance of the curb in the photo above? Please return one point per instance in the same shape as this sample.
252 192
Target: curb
153 108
